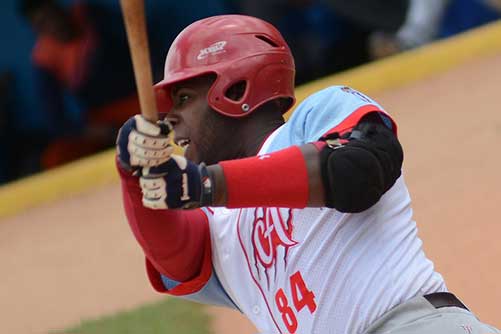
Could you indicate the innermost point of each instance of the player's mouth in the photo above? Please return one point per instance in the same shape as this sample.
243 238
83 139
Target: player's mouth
184 143
189 149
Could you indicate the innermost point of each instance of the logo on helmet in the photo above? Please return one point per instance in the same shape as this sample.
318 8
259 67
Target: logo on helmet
213 49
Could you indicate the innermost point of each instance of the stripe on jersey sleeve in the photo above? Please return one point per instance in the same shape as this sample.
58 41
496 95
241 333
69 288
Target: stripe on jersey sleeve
354 118
336 108
212 293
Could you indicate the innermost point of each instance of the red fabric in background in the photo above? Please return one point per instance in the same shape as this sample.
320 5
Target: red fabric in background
68 61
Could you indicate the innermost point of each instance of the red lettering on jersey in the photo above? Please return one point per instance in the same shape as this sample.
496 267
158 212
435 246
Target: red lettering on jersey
272 228
301 297
270 235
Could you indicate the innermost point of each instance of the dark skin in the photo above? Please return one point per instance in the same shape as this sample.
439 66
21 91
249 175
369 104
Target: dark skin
214 137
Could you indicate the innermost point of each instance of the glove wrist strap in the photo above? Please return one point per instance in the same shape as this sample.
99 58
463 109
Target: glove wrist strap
207 192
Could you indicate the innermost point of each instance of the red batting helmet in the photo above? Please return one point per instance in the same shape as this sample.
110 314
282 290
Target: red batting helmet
236 49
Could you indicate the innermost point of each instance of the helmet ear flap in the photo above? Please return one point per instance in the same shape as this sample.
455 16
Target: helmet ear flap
228 96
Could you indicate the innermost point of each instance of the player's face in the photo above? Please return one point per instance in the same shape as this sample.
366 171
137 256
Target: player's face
199 130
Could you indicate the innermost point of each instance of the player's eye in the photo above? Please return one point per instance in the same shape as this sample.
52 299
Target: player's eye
183 98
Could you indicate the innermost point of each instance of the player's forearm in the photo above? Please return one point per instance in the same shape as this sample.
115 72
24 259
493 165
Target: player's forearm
311 164
349 174
173 240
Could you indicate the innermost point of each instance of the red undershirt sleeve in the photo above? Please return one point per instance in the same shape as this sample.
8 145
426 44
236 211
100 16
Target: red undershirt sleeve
176 243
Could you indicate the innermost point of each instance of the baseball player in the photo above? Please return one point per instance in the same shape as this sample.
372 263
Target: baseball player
304 226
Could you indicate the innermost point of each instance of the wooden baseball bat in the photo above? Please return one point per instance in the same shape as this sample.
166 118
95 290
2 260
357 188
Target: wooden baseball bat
135 25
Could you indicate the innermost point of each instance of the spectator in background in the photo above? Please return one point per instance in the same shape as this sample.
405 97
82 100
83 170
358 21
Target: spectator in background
81 53
328 36
428 20
421 25
82 56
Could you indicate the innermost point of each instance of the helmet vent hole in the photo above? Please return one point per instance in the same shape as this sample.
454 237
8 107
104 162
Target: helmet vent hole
267 40
236 91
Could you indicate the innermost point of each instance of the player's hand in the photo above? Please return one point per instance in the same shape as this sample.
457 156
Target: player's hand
141 143
177 183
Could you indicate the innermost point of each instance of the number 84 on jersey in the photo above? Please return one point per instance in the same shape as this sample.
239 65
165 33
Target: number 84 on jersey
300 297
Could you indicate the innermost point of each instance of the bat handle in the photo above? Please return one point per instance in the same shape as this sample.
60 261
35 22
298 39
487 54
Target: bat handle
135 25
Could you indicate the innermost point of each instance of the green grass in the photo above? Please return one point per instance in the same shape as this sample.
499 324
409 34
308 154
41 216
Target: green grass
165 317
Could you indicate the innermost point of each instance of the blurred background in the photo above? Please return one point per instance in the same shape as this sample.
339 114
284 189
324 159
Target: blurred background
66 80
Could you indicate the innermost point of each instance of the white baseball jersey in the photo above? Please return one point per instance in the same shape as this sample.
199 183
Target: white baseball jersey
315 270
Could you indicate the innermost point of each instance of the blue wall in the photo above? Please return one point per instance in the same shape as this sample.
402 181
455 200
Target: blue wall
17 42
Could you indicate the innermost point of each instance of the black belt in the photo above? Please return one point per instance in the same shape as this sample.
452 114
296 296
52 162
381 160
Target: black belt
444 299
